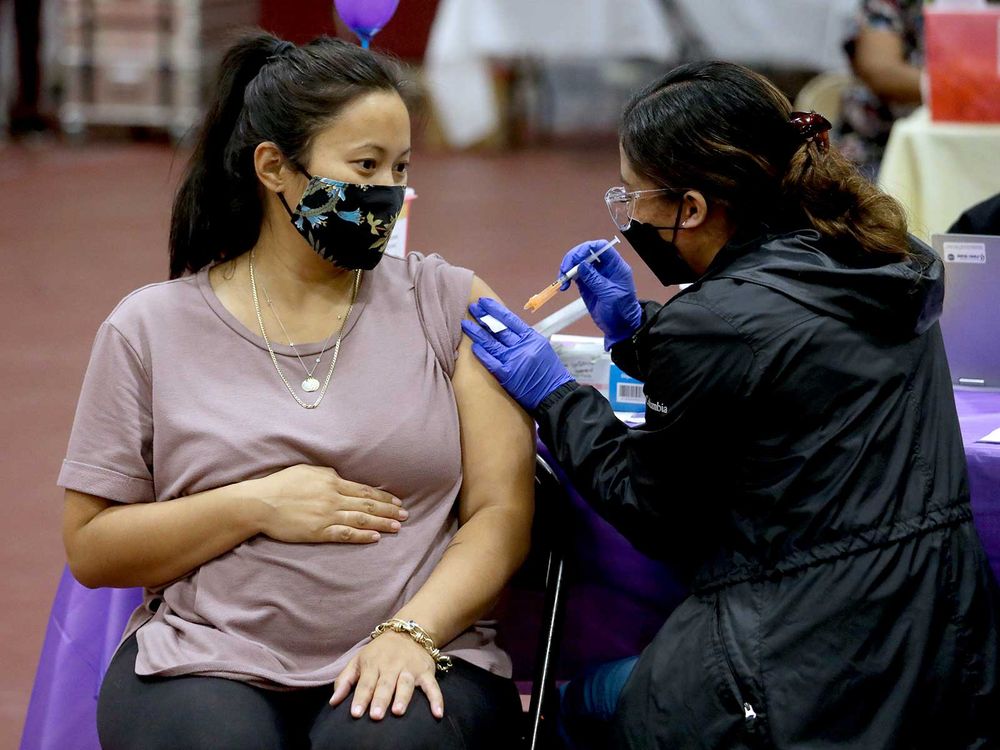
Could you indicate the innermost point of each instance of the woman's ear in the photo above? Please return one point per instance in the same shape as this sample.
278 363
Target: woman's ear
273 169
694 211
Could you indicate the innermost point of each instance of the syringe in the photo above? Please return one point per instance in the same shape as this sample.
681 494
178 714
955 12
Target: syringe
552 289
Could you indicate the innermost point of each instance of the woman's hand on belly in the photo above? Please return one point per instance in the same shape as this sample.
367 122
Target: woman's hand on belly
315 504
386 671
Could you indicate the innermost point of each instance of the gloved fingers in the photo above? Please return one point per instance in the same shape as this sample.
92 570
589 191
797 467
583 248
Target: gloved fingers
581 251
611 265
476 332
476 310
590 278
586 273
483 337
505 316
491 363
505 336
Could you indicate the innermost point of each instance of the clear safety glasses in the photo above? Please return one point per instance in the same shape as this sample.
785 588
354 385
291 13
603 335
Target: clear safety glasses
621 204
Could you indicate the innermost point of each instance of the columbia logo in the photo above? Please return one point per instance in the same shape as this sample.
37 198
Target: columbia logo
656 407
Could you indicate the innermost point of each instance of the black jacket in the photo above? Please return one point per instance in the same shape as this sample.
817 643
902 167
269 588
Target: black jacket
982 218
802 461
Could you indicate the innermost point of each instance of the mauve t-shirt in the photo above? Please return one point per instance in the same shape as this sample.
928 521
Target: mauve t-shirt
180 397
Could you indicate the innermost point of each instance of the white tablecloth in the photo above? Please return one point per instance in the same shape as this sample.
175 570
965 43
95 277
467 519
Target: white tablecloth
937 170
467 34
806 34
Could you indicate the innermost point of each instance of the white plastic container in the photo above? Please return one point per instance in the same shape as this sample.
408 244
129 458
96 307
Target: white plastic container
397 240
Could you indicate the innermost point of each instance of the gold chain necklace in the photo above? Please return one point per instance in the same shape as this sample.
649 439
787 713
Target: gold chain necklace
274 358
310 383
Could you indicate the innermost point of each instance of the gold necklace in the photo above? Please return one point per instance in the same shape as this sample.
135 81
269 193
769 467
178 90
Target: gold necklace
274 358
310 383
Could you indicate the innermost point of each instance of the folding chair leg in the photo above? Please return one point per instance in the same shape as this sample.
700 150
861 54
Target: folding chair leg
544 696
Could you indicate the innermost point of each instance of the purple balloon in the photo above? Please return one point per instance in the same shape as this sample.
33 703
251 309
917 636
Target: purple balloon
366 17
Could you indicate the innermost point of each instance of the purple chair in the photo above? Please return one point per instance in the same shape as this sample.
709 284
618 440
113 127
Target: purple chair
84 630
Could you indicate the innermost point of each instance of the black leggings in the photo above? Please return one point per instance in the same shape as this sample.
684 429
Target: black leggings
482 712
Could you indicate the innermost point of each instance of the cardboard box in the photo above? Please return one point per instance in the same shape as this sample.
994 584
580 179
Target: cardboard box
963 64
589 364
585 358
625 392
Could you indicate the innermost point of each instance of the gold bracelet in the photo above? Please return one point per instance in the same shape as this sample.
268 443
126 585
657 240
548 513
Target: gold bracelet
418 634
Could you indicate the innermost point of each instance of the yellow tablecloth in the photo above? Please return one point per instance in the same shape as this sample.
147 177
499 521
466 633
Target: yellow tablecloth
937 170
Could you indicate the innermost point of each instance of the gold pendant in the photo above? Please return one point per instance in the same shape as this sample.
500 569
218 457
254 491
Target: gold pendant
310 384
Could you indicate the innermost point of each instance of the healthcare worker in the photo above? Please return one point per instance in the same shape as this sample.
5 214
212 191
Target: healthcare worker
801 456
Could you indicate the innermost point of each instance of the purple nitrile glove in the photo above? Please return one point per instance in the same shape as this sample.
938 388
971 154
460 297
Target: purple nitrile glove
608 291
520 358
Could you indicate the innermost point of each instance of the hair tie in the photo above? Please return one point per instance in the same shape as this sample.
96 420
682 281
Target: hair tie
812 126
281 50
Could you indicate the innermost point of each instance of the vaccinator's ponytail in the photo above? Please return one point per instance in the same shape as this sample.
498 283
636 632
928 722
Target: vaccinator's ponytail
268 90
840 202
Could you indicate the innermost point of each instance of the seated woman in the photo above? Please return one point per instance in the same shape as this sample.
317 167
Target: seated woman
886 54
311 521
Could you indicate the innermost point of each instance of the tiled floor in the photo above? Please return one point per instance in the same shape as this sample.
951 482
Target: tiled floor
82 226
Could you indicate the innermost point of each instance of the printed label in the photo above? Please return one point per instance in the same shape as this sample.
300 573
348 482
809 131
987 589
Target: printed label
964 252
630 393
625 393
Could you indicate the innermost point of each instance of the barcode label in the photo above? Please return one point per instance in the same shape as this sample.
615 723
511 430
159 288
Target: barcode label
629 393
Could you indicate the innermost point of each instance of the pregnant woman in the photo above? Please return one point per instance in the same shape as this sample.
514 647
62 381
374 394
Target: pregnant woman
291 447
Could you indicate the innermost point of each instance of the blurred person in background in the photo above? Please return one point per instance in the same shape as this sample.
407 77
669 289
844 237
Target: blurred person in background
24 115
800 461
886 54
319 527
982 218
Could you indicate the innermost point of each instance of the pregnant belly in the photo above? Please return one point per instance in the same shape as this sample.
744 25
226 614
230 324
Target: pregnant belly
308 603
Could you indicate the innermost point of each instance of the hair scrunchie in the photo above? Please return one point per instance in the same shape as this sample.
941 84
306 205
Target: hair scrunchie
812 126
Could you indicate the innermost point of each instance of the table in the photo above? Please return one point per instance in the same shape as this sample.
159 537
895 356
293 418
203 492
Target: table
937 170
468 34
616 602
979 414
799 34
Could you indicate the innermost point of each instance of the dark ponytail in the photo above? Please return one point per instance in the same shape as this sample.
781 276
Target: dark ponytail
724 130
838 201
268 90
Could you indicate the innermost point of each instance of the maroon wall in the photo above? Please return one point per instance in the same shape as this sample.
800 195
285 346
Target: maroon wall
301 20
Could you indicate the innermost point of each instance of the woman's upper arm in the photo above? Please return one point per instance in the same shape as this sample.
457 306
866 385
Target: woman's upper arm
880 62
877 48
498 447
79 509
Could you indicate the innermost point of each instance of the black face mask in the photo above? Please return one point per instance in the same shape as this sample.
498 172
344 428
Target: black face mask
346 223
662 256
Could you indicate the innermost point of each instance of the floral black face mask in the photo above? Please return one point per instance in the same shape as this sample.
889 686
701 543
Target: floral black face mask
348 224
